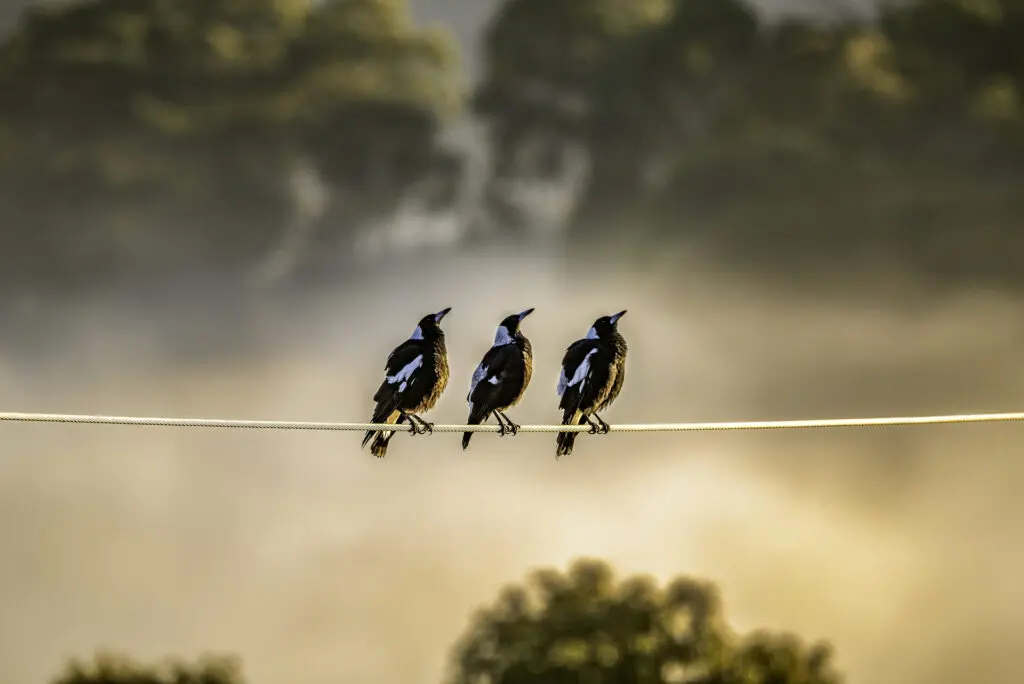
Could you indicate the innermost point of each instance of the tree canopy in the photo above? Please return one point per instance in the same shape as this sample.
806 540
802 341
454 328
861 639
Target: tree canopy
111 668
584 625
161 135
161 132
587 625
791 138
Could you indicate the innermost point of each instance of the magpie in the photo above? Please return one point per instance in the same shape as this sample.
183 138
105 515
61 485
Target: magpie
593 370
502 377
416 376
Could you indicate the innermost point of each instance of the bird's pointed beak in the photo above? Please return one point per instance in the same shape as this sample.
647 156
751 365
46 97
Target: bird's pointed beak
526 313
441 314
616 317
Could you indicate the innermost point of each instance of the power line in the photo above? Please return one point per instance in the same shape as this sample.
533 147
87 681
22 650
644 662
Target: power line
13 417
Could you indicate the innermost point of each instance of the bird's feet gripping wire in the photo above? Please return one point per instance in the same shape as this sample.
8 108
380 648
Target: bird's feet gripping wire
507 427
598 428
418 426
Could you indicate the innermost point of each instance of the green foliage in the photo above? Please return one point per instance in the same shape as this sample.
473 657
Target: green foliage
162 133
586 625
113 669
792 139
541 61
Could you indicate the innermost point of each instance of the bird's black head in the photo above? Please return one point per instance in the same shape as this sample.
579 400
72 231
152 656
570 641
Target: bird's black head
509 326
430 325
605 326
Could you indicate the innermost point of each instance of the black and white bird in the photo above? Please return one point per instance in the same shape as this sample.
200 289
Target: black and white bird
593 370
416 376
502 377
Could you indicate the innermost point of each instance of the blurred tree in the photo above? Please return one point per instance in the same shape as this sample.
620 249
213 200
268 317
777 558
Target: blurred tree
786 143
163 133
541 60
586 625
964 63
112 669
665 96
374 94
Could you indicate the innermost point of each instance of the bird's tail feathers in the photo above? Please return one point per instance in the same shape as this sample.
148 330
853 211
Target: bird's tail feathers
379 448
477 415
382 414
566 440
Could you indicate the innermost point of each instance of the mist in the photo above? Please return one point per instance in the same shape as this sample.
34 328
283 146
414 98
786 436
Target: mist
315 562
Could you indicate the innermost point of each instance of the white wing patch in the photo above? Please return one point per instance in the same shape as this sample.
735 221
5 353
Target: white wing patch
479 374
493 379
578 376
562 382
403 376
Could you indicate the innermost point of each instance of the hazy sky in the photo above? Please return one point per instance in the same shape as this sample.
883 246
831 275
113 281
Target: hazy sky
317 563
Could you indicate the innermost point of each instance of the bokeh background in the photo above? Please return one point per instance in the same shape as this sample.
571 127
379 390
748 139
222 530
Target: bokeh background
235 208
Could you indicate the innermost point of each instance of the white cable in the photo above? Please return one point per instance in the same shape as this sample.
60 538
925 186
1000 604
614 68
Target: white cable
651 427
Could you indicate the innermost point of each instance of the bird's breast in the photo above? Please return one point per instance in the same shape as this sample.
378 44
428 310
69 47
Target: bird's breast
441 366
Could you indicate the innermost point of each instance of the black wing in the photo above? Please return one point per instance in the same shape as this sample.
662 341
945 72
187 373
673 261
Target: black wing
402 368
504 365
575 354
584 372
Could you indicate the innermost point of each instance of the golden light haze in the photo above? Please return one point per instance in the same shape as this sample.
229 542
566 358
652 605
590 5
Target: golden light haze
316 563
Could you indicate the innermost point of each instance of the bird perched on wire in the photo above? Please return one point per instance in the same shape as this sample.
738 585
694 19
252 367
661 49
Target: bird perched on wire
593 370
416 376
502 377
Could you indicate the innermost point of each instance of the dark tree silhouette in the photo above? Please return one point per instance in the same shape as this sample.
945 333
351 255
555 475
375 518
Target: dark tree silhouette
142 134
148 136
587 625
787 143
106 668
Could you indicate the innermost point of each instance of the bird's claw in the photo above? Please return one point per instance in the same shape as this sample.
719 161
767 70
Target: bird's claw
507 427
418 426
598 426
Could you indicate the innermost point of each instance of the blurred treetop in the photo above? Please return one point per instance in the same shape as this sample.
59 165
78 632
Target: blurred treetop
588 626
150 135
792 136
148 118
582 626
109 668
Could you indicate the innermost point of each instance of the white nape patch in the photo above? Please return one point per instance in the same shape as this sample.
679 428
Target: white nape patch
592 334
417 334
577 376
493 379
479 374
405 374
501 337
